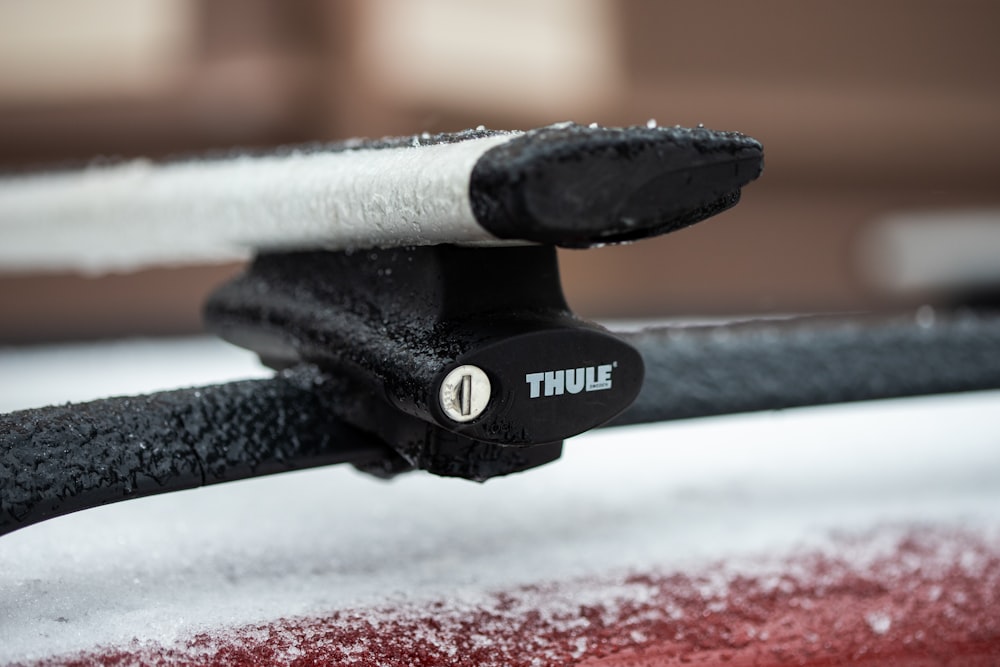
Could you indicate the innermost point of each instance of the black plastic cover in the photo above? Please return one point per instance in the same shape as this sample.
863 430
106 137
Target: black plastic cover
577 186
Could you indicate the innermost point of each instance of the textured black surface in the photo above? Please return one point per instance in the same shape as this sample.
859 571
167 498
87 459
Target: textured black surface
61 459
579 186
399 319
391 318
702 371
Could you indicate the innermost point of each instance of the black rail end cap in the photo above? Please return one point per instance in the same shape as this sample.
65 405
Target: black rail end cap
578 186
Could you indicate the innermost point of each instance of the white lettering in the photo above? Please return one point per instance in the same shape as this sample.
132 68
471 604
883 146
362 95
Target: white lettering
535 380
554 382
599 377
572 380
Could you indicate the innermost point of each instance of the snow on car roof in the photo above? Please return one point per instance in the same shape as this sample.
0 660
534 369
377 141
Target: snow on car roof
717 500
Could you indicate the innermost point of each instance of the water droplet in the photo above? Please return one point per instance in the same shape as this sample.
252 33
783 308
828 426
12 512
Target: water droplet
593 126
425 135
480 128
701 126
651 123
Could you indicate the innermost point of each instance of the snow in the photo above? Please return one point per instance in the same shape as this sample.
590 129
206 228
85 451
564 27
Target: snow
45 375
879 622
670 496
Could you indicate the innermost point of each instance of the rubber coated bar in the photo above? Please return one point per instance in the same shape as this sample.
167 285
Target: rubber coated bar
58 460
764 365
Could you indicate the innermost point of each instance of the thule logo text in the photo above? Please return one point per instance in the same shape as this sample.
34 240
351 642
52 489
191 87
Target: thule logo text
571 380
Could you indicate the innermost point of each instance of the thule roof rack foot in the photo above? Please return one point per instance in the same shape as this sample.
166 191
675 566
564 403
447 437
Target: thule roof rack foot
454 350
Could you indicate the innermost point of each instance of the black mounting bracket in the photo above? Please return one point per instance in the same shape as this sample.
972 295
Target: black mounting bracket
467 360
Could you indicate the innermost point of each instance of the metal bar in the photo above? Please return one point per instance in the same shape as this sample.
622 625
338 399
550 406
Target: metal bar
61 459
57 460
766 365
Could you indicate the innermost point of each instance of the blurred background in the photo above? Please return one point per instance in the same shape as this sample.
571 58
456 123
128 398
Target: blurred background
871 112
